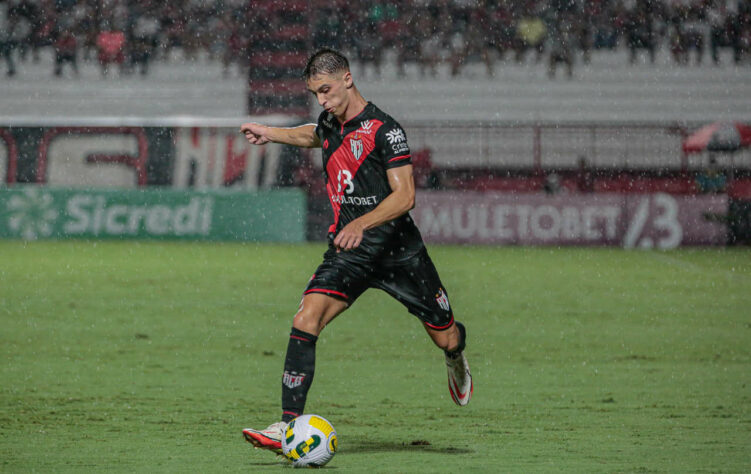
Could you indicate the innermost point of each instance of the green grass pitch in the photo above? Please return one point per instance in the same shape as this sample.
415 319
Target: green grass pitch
152 357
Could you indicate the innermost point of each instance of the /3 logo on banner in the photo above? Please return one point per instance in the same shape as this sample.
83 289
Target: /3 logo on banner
664 223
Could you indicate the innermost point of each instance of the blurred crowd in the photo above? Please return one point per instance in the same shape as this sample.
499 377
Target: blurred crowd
556 31
128 35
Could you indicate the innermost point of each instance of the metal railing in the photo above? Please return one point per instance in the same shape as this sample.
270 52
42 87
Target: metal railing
551 146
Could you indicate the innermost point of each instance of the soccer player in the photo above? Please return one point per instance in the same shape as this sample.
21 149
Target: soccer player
373 242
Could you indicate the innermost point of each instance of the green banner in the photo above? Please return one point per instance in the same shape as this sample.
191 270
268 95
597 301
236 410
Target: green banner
37 212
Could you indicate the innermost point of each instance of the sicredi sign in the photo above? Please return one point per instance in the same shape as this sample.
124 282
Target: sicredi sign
93 214
32 212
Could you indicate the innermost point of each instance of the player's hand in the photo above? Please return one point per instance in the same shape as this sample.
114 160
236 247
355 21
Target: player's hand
350 236
255 133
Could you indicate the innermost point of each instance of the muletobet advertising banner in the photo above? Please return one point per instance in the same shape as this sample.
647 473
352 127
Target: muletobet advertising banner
628 220
36 212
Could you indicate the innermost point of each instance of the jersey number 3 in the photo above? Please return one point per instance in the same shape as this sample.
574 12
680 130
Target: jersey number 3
345 177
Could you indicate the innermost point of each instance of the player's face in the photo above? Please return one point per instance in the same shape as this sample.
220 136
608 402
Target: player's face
331 91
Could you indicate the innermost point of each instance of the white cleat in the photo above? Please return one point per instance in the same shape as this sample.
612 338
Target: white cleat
460 379
270 438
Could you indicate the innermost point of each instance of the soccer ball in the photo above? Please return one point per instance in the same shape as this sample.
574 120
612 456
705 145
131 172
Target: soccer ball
309 440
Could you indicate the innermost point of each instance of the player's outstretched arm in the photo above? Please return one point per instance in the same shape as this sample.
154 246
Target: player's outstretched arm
399 202
302 136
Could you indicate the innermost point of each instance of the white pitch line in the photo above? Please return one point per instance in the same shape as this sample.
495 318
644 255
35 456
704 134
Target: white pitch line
694 268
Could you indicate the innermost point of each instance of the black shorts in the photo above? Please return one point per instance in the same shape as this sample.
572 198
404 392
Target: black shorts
413 282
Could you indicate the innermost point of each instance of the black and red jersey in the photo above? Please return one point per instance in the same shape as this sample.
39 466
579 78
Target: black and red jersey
356 156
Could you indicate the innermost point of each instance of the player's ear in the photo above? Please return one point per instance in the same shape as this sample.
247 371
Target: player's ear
348 81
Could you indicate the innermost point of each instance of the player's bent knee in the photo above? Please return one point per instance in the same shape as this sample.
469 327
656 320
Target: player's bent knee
308 321
316 311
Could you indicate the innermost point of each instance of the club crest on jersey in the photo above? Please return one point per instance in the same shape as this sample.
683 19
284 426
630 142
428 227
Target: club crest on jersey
292 379
356 147
395 136
442 300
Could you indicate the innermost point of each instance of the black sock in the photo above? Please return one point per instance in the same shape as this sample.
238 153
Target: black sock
299 367
462 341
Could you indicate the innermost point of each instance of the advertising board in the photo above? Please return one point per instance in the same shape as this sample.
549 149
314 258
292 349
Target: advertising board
628 220
35 212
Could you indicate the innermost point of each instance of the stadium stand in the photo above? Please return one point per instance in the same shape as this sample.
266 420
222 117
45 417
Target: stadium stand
423 31
277 50
472 84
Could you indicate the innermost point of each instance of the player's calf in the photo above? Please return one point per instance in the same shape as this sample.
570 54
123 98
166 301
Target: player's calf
459 376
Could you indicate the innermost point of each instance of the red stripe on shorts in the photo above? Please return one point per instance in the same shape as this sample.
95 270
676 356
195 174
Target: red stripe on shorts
328 292
440 328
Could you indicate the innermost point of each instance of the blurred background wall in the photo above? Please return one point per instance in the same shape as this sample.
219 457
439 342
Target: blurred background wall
546 98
